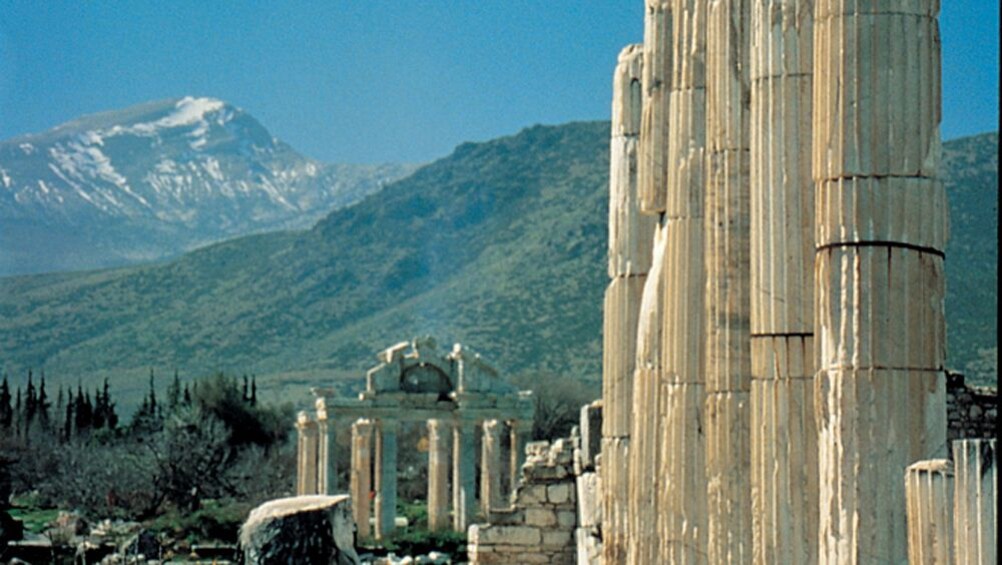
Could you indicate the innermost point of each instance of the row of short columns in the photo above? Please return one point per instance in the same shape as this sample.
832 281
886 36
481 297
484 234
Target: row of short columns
374 449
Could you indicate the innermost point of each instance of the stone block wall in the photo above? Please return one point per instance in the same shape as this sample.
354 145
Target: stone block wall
539 526
971 411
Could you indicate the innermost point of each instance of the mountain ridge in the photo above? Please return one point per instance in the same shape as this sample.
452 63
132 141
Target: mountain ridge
156 179
500 245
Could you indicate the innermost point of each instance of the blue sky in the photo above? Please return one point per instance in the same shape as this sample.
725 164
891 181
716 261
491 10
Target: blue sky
374 80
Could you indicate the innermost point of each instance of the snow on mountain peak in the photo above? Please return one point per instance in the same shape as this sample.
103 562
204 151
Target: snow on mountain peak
188 111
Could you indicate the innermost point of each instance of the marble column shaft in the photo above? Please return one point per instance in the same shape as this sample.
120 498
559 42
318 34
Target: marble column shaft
438 474
652 164
490 467
783 432
326 454
386 487
881 221
464 481
929 494
306 482
728 307
682 510
631 237
975 503
361 475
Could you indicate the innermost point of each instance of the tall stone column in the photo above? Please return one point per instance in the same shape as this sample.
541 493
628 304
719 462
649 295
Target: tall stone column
490 467
464 482
631 237
682 512
881 232
306 475
976 502
728 307
361 475
438 475
644 481
652 162
326 453
929 492
386 486
519 434
783 433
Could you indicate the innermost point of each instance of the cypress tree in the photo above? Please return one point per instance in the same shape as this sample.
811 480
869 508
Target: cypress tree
43 405
6 410
174 393
68 423
253 397
30 404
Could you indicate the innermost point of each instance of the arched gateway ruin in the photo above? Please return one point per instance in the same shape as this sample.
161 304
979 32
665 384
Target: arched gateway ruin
414 381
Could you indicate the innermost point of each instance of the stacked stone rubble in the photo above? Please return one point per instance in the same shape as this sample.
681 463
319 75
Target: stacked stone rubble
881 231
929 494
681 515
726 229
783 430
630 249
539 526
975 502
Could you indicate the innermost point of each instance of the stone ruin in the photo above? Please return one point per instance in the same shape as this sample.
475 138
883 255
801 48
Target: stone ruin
457 394
774 361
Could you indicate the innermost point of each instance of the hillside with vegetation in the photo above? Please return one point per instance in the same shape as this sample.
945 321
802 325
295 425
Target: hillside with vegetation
500 246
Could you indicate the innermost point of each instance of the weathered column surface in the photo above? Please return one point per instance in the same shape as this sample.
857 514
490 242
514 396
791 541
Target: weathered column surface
438 474
783 432
490 467
652 164
929 495
361 475
881 231
631 240
728 307
975 503
464 483
306 476
644 446
682 510
386 487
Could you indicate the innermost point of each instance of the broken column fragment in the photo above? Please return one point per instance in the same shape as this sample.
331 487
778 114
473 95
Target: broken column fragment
306 472
929 493
728 308
490 467
975 503
631 237
783 433
879 280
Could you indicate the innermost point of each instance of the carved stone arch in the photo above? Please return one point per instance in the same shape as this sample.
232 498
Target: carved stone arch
425 377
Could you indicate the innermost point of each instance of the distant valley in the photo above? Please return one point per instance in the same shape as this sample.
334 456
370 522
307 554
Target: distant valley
500 245
154 180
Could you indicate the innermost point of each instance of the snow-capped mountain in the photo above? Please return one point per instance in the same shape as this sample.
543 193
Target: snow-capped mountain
156 179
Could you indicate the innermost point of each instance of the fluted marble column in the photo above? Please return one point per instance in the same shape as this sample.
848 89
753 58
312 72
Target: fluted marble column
881 234
326 453
728 308
631 237
682 512
490 467
783 432
975 503
929 492
464 482
386 473
652 162
306 475
438 474
361 475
